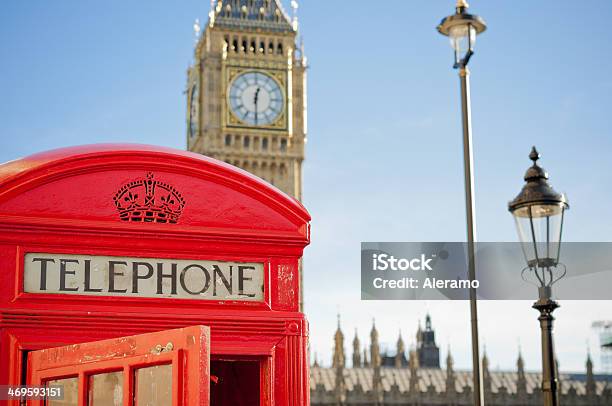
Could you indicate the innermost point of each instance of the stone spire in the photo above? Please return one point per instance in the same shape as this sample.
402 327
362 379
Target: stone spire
366 363
374 346
419 335
400 352
316 360
413 359
377 389
427 322
339 358
590 378
485 360
450 374
486 375
521 383
356 351
338 365
413 364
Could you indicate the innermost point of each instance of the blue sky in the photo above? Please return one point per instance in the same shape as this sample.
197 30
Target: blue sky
384 150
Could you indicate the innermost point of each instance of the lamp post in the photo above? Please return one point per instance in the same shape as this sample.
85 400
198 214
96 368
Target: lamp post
462 29
538 212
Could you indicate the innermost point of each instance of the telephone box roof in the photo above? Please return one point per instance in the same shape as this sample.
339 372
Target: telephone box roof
48 166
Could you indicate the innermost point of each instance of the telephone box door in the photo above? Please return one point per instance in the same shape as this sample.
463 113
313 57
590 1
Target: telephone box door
169 367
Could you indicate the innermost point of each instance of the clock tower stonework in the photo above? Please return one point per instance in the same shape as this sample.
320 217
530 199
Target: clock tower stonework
246 92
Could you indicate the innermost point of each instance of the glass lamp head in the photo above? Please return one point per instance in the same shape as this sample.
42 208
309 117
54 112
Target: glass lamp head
538 211
462 29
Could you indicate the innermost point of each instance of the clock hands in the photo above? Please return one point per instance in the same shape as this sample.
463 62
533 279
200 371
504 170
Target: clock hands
256 98
248 92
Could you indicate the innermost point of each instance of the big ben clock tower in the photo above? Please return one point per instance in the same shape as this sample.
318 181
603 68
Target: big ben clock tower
246 92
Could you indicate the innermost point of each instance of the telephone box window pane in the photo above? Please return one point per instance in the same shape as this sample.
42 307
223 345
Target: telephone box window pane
106 389
71 392
154 385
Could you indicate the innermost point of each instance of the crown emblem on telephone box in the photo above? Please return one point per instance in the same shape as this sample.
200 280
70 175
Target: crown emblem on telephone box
149 200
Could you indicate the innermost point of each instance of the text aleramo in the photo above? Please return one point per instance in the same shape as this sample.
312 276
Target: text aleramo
427 283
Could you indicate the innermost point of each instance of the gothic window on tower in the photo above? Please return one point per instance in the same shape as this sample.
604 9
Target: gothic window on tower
264 144
270 48
255 143
283 145
235 45
262 47
228 140
246 142
279 50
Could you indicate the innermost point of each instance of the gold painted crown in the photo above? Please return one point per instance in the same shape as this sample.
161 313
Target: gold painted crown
149 200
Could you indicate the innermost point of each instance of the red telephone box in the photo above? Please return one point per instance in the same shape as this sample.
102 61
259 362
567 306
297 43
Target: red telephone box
107 241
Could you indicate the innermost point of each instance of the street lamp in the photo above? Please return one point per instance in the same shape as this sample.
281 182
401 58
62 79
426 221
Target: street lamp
538 211
462 29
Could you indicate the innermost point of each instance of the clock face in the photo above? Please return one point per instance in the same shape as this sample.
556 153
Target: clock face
193 111
255 98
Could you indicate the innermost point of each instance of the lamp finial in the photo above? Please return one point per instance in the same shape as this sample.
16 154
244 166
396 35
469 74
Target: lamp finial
534 155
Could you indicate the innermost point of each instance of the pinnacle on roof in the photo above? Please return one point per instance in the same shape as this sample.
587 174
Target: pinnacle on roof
338 357
400 343
449 359
267 15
